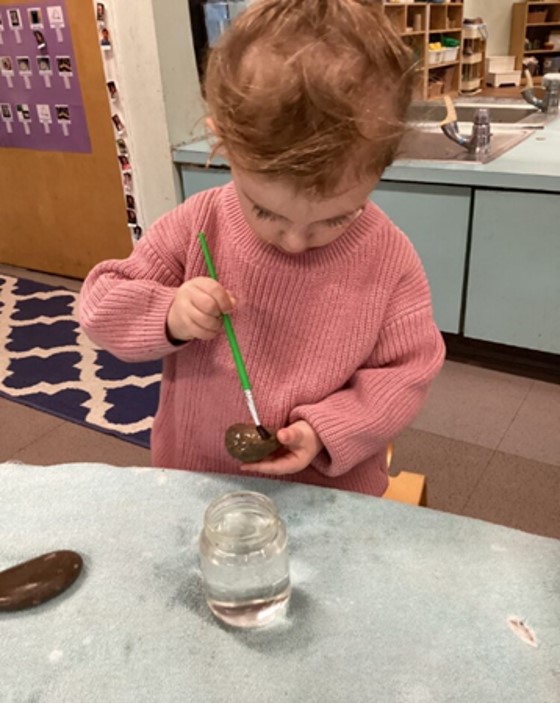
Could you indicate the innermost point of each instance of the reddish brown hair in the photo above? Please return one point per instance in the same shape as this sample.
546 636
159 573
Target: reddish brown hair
309 90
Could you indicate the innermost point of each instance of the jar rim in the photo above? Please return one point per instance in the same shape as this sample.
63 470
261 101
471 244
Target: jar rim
257 503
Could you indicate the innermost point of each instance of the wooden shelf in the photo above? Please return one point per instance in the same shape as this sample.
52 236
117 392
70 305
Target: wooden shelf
443 65
427 22
470 85
473 69
522 28
473 60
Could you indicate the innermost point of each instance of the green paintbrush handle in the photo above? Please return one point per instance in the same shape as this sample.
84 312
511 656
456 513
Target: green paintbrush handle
239 363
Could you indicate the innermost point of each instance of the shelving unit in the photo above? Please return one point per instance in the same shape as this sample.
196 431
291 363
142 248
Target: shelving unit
421 24
410 20
474 54
445 21
531 27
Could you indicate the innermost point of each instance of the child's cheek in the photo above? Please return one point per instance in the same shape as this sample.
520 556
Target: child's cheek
266 231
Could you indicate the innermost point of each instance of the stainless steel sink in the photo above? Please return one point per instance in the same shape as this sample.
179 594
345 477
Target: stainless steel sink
504 114
512 121
516 113
432 145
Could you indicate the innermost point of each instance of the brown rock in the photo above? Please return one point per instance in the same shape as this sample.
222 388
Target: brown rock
38 580
243 442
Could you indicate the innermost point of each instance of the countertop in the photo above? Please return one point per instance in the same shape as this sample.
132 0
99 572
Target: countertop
391 602
532 165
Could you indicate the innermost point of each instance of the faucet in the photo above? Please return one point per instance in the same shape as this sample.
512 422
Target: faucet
551 84
478 144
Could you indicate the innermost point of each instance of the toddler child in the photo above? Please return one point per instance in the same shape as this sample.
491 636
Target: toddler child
331 307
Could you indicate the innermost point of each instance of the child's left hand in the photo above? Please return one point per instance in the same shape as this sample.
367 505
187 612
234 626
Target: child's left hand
301 444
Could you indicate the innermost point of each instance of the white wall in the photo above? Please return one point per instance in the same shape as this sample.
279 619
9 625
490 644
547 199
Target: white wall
181 87
160 93
497 15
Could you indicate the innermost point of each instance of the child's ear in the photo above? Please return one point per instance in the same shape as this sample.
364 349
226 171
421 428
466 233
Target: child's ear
220 151
211 127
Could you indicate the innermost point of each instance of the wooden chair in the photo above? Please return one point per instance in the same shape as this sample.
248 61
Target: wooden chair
406 487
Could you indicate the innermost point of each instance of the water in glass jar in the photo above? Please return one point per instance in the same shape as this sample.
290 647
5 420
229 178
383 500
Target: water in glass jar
247 578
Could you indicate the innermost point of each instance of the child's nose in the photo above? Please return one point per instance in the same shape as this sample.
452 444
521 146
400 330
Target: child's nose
294 240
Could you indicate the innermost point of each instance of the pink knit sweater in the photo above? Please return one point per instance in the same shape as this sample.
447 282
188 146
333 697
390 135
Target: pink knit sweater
342 337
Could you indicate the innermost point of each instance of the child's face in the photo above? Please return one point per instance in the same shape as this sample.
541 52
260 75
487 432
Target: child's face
293 222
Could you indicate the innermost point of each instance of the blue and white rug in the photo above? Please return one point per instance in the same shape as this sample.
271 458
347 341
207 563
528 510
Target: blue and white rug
48 363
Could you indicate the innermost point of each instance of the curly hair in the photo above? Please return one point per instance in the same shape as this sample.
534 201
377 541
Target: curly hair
308 90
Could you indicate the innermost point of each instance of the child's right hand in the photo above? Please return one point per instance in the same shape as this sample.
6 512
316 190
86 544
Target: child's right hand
197 309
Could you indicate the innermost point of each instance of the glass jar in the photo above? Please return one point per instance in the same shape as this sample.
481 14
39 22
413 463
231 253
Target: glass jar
244 559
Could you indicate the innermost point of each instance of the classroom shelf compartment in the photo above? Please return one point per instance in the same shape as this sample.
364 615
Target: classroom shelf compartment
420 24
532 25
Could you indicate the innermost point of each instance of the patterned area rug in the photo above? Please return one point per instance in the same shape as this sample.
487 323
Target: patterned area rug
48 363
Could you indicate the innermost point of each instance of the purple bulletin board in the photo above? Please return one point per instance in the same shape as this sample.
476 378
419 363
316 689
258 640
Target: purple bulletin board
41 104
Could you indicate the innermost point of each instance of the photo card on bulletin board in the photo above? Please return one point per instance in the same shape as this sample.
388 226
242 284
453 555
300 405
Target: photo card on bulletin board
35 18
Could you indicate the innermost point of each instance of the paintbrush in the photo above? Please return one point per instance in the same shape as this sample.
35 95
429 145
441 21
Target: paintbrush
237 357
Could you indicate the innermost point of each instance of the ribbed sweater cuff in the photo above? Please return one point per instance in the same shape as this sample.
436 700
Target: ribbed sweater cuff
136 335
155 339
343 450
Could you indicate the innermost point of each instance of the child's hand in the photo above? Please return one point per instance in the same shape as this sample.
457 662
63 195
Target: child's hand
301 444
196 312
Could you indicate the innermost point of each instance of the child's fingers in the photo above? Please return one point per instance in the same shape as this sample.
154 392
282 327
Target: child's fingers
289 464
208 323
205 303
232 299
197 309
290 436
198 332
211 297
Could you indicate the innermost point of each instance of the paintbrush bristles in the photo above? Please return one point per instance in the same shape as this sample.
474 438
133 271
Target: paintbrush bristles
263 432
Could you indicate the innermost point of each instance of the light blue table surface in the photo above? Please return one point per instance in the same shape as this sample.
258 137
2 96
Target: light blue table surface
532 165
391 602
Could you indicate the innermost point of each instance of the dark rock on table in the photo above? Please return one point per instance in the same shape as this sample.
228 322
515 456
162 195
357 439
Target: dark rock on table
38 580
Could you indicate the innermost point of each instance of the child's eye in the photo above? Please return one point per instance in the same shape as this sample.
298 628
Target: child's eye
344 219
338 221
263 214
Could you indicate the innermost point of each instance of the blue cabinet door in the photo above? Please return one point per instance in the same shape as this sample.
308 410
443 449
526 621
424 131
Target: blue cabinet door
514 281
196 179
436 220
